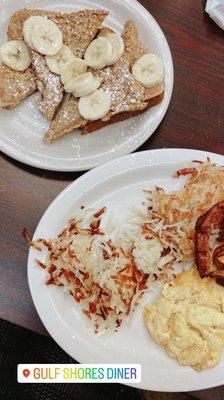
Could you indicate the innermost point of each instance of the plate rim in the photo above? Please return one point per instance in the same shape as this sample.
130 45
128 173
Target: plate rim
190 153
35 161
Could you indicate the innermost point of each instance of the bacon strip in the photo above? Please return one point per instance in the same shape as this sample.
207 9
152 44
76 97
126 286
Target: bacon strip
207 261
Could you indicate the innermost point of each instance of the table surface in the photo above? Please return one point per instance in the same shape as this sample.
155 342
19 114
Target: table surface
194 120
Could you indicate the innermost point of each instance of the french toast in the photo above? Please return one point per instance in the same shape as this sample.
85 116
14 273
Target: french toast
129 98
124 92
78 30
15 86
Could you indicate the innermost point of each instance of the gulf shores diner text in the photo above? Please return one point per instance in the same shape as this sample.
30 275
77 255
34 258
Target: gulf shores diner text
79 373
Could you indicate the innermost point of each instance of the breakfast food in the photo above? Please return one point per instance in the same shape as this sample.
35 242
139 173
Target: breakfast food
15 86
15 54
209 251
106 276
107 267
188 320
172 216
70 53
48 83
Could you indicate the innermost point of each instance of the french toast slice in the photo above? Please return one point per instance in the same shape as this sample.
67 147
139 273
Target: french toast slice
129 97
15 86
78 30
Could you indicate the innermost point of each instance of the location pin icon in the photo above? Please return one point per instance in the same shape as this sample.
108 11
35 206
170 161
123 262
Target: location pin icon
26 372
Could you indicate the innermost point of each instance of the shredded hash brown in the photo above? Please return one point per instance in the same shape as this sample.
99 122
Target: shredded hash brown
172 216
106 278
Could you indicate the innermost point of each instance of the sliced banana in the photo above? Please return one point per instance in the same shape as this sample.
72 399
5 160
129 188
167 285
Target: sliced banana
73 69
46 38
149 70
117 44
83 84
98 53
15 54
95 105
60 61
28 28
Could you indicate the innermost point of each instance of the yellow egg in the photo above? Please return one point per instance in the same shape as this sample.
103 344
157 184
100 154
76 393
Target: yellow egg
188 320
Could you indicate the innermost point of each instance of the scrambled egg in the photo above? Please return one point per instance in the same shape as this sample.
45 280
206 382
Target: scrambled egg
188 320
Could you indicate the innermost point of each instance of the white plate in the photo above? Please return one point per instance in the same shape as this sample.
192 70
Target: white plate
21 129
117 184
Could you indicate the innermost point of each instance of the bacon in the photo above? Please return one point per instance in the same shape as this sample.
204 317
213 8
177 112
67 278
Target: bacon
207 261
219 252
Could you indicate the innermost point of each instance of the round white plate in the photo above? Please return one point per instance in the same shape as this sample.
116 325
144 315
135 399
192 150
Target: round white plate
117 184
21 129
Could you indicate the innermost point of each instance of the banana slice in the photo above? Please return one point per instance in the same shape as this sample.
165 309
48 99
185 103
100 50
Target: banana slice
95 105
46 38
83 84
60 61
15 54
117 44
98 53
75 68
149 70
28 28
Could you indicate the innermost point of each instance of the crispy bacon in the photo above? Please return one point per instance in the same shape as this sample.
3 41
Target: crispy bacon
212 219
219 252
